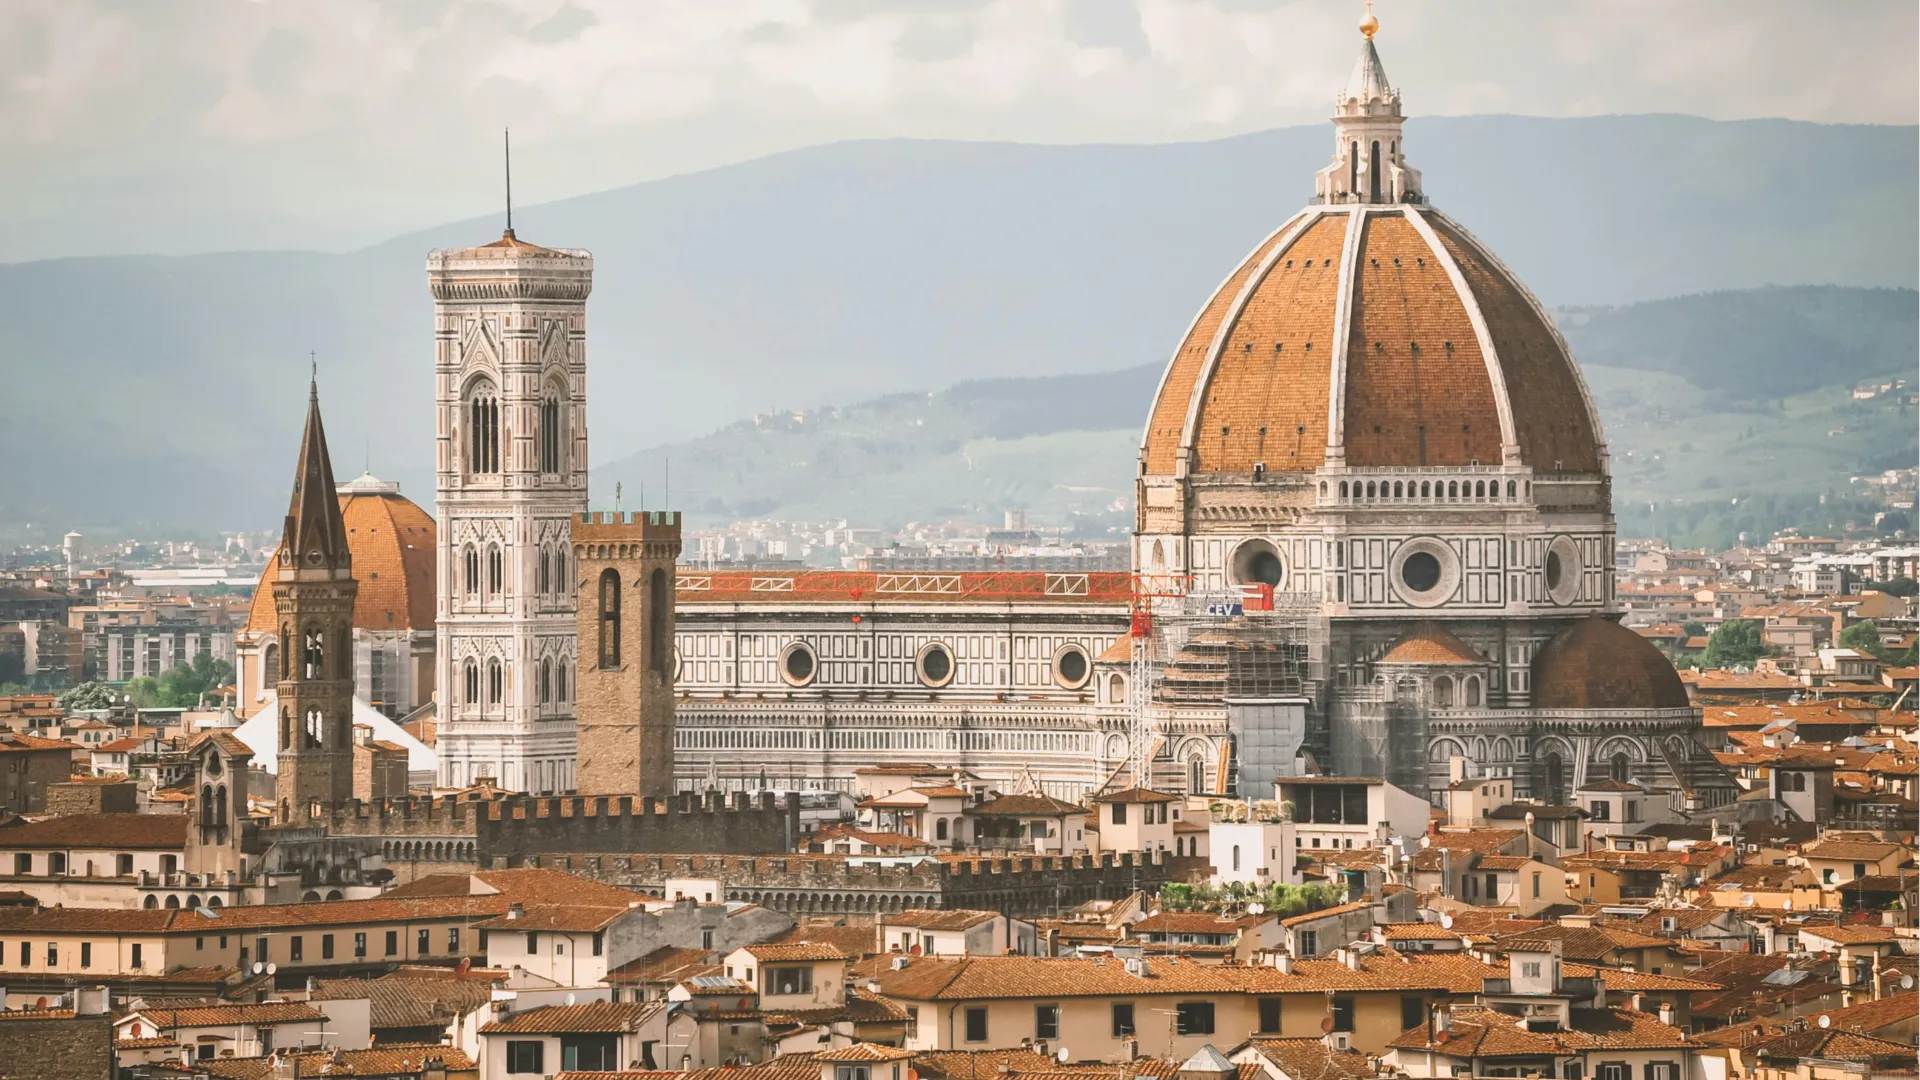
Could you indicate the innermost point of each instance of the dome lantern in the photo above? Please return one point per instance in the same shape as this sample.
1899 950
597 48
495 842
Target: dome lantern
1368 164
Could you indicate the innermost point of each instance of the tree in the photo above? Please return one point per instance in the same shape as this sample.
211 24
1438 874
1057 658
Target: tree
1864 636
1900 586
1694 629
1737 643
143 691
88 695
182 687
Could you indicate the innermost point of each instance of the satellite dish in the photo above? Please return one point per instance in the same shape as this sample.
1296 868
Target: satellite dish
1787 904
570 998
1826 1021
1255 908
1326 1024
1446 921
258 967
1746 899
1906 982
273 969
1062 1056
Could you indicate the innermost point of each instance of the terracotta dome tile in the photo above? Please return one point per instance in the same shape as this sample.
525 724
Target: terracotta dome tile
392 544
1599 664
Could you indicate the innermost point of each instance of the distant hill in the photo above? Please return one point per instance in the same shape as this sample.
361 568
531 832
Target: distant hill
169 389
1675 381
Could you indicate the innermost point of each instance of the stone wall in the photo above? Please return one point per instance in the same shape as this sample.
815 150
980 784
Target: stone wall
439 830
87 798
814 884
62 1049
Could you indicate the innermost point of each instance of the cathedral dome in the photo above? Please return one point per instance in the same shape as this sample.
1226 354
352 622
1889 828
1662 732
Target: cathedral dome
1370 331
1599 664
391 542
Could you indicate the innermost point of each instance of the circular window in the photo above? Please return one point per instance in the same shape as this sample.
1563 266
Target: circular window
1425 572
1255 562
1420 572
798 665
1071 668
935 665
1561 570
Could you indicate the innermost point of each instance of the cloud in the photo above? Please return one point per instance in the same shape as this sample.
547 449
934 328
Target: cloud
228 122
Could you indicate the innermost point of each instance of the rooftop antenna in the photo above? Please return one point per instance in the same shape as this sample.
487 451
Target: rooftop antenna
617 487
668 505
506 138
313 364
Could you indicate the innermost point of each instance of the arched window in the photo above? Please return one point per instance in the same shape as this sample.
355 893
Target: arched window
1618 767
609 619
270 665
471 572
1373 173
940 829
151 901
1555 771
220 805
1353 168
483 430
206 805
496 572
1509 489
1453 489
1473 692
1426 489
1196 775
314 727
1370 489
550 432
472 684
496 681
559 682
315 658
1236 856
1443 692
1343 489
546 682
286 729
659 629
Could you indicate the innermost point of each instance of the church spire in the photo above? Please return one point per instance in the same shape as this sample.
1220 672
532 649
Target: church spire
315 537
1368 165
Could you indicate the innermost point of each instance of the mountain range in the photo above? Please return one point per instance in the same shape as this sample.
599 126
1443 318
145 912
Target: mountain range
148 389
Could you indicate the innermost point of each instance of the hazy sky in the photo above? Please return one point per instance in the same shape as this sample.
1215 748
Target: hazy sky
195 125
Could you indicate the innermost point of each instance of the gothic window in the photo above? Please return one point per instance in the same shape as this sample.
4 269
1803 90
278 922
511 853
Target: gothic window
496 681
1556 778
316 653
542 580
546 682
206 805
343 652
659 607
1196 775
1618 767
270 664
1473 692
220 805
1373 173
1443 692
314 726
471 577
1353 168
286 729
609 619
560 682
496 576
550 432
483 430
473 683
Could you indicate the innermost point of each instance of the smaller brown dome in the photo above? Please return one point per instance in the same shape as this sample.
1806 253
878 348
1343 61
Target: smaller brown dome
1599 664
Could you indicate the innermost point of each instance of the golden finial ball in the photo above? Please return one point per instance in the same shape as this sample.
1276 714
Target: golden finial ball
1369 25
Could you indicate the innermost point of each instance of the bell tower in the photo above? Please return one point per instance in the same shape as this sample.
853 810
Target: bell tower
1369 165
510 371
313 598
627 663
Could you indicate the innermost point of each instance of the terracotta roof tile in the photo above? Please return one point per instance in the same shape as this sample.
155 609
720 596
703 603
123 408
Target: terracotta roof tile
392 543
594 1016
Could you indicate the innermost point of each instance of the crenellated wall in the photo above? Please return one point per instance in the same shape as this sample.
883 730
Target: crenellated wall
517 827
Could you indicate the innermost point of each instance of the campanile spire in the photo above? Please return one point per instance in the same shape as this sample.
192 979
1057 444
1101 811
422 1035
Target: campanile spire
1368 164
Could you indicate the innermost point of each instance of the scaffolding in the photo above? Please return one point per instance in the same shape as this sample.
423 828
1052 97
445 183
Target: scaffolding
1205 649
1381 730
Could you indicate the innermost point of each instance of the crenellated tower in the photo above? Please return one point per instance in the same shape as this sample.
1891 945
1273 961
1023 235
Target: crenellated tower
313 594
510 369
626 565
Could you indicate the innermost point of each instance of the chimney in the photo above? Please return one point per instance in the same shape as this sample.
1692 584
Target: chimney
1637 1001
1284 961
516 909
1442 1018
1666 1013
